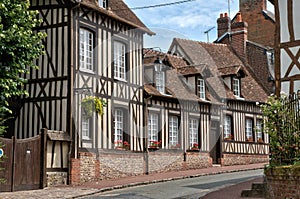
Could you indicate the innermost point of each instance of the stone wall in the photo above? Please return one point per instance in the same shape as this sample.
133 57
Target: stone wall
283 182
57 178
117 164
240 159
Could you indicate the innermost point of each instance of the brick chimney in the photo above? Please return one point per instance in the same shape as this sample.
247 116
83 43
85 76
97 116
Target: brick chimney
239 35
252 6
223 24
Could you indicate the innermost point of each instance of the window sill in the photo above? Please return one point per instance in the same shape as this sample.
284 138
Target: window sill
121 80
86 71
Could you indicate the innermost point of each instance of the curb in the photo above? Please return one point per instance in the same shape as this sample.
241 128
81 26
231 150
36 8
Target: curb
163 180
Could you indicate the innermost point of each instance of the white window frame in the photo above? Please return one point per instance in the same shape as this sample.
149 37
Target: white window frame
160 79
119 61
193 131
227 126
102 3
86 50
249 128
173 131
86 127
118 125
236 86
201 87
259 129
152 128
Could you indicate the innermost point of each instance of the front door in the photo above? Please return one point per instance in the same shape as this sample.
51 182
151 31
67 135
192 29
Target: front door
214 141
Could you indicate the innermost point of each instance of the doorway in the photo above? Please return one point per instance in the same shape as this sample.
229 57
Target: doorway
215 142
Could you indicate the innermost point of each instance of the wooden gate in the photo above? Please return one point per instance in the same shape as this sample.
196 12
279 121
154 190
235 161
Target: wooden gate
23 163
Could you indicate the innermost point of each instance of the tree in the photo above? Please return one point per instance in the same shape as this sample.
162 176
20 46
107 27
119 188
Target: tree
20 45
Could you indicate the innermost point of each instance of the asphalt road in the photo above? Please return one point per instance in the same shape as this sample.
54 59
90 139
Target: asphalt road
189 188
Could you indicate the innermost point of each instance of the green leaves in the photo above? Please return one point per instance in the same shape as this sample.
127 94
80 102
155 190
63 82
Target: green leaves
20 45
282 125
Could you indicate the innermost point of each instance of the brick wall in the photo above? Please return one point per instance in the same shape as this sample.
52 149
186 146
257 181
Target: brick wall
283 182
239 159
260 29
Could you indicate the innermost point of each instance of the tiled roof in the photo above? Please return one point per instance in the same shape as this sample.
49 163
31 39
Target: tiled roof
219 58
117 9
176 86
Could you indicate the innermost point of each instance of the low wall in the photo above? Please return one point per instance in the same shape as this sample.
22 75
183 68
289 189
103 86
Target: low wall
242 159
115 164
283 182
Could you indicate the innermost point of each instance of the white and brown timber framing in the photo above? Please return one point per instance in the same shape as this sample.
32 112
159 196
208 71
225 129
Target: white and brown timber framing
220 57
287 46
56 89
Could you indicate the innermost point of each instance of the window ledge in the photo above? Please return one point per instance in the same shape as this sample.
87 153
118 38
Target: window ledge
86 70
121 80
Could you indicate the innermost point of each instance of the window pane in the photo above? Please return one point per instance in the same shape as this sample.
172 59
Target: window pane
85 127
259 130
236 86
152 128
86 49
193 132
173 130
160 81
249 128
119 60
227 127
201 88
118 126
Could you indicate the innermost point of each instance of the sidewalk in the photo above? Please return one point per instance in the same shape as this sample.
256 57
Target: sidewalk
106 185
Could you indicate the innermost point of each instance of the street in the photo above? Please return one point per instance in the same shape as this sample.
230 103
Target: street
189 188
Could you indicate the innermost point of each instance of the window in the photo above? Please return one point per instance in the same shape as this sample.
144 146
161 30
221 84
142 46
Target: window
236 86
152 128
86 50
119 61
160 81
201 87
173 132
228 127
193 132
85 127
259 132
249 129
118 127
102 3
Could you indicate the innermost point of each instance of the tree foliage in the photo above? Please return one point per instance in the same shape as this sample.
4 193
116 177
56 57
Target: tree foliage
283 127
20 45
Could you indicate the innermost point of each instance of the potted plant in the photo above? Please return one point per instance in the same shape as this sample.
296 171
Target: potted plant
91 104
154 144
195 147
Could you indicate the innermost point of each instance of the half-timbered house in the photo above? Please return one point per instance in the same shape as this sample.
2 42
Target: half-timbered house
240 120
287 46
93 49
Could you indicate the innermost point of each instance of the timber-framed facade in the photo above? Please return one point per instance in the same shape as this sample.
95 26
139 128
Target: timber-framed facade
287 50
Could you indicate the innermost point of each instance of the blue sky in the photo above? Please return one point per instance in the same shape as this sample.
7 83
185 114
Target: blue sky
188 20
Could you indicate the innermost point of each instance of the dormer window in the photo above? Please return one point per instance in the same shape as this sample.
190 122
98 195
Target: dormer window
160 76
236 88
102 3
201 87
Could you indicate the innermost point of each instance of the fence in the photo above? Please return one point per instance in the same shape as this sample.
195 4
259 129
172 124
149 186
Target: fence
287 150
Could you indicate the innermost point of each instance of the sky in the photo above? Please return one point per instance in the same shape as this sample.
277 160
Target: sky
187 20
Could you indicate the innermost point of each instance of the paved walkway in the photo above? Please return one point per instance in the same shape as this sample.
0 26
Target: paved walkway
106 185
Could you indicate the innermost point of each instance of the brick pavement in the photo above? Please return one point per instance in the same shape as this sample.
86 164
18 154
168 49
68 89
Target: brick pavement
106 185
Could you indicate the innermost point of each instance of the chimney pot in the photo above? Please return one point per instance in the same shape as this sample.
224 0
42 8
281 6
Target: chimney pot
239 17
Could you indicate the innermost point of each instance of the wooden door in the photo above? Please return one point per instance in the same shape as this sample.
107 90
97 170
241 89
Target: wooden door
23 165
214 142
